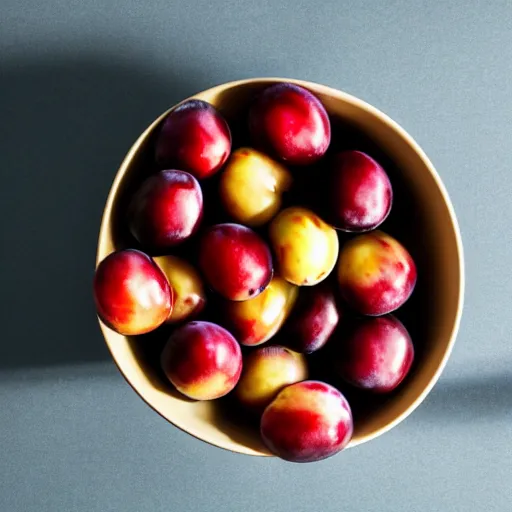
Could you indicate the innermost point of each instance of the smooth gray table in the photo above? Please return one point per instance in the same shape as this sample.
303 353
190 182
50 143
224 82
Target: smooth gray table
78 82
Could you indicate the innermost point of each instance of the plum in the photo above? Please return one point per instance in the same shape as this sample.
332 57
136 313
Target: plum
235 261
375 354
307 422
131 293
194 137
306 248
359 192
313 319
256 320
202 360
267 370
376 273
166 210
252 185
189 292
291 123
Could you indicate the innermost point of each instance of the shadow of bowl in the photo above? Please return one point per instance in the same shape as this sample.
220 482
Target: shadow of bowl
68 115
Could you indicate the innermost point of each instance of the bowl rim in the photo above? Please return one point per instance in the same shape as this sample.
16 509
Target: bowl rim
392 125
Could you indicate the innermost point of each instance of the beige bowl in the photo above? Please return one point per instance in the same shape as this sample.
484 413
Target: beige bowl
423 218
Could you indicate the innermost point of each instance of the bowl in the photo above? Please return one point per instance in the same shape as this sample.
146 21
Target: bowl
422 218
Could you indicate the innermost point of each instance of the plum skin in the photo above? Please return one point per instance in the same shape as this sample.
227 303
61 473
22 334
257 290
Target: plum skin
313 320
202 360
256 320
252 185
376 354
290 122
131 293
166 210
266 371
305 246
307 422
194 137
359 191
376 274
235 261
189 293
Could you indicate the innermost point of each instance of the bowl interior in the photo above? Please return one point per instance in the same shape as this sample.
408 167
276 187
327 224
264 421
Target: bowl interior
422 219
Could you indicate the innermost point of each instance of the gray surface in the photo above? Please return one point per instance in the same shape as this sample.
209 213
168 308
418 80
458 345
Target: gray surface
78 82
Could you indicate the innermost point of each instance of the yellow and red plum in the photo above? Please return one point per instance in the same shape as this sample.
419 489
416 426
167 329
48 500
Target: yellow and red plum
251 187
375 354
189 292
256 320
267 370
307 422
131 293
235 261
306 248
376 274
202 360
359 192
166 210
194 137
290 122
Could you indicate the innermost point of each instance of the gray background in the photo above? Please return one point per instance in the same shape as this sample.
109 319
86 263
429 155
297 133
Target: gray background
78 82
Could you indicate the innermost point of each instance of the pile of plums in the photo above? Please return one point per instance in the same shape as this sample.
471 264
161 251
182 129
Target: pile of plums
279 275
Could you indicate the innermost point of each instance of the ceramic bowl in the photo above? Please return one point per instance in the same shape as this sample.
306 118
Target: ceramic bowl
422 218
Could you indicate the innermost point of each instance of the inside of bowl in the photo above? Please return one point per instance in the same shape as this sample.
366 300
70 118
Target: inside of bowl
420 219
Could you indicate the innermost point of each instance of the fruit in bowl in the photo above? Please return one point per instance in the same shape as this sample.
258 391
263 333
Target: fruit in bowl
255 321
268 370
166 209
252 186
202 360
290 122
305 247
376 354
270 269
235 260
307 422
360 193
194 138
314 319
376 273
131 293
188 287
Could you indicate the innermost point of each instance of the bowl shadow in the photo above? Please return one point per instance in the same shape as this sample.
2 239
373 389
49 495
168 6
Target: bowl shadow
69 119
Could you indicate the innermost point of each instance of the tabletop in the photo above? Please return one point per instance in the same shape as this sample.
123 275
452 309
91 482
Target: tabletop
78 82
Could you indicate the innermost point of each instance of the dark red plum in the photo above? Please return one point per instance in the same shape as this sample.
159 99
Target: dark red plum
194 137
359 192
166 210
375 354
313 319
290 123
235 261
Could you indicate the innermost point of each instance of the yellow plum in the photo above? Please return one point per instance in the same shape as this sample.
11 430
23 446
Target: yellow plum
266 371
189 293
305 246
256 320
251 187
